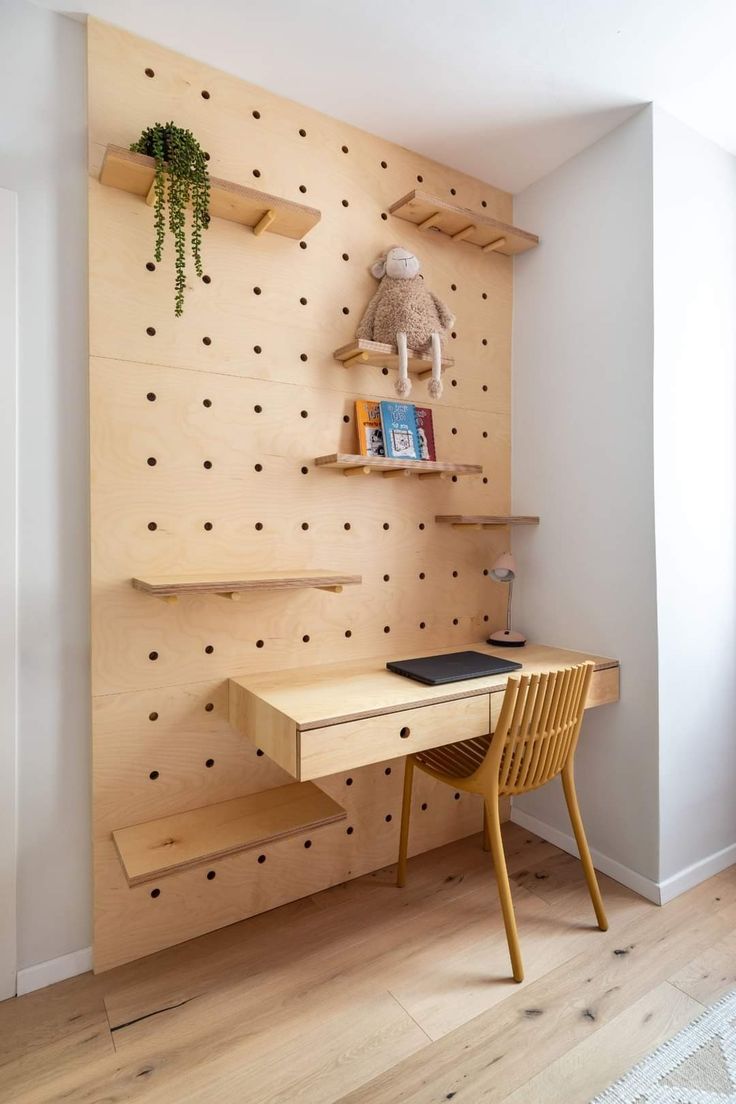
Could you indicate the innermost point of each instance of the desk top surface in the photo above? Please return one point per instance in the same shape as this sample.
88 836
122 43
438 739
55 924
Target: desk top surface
332 693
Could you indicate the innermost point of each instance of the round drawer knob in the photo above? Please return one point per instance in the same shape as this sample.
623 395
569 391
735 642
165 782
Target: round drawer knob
405 732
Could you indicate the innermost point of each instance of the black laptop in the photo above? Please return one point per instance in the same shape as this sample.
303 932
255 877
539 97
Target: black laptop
453 667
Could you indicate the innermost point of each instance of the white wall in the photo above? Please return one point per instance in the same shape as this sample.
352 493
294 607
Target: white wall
583 460
695 503
43 158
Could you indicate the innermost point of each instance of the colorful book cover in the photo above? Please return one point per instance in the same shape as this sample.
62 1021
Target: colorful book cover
425 429
400 436
370 431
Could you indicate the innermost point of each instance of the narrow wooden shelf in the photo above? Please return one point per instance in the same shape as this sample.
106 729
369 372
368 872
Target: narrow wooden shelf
485 521
173 843
429 212
379 355
134 172
424 469
170 587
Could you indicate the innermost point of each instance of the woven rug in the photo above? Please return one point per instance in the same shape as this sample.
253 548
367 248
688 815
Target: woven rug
698 1066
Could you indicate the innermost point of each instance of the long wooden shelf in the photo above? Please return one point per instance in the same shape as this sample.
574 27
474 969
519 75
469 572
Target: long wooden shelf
172 843
485 521
134 172
232 586
380 355
424 469
429 212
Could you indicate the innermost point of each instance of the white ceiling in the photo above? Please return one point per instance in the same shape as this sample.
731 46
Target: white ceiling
503 89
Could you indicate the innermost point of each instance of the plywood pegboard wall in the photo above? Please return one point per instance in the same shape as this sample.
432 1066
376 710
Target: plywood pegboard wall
202 459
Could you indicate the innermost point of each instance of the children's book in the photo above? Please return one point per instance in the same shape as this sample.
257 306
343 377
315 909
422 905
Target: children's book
370 431
425 429
400 436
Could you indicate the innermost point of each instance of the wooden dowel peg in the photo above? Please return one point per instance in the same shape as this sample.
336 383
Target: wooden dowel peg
231 595
432 475
499 243
170 599
357 471
394 472
465 525
359 358
151 193
462 234
331 589
430 222
264 223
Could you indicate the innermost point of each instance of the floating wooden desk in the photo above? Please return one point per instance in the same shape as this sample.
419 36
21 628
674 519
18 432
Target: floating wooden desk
315 721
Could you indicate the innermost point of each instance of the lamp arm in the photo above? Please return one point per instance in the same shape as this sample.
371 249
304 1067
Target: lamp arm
508 607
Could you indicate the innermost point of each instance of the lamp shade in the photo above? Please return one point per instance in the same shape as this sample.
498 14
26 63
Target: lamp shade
504 569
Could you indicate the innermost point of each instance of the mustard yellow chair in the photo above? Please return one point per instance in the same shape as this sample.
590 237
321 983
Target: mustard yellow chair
535 740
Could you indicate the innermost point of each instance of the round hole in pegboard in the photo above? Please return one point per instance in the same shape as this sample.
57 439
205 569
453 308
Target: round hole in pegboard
151 396
256 291
209 649
387 628
208 526
346 310
349 830
384 216
209 707
151 461
457 796
302 245
150 266
422 624
151 331
485 478
484 341
259 643
387 770
304 470
209 762
386 525
153 775
302 188
421 525
455 621
256 172
346 419
261 859
453 335
485 570
348 781
346 256
257 350
483 203
258 467
259 752
152 526
303 300
485 433
344 149
405 732
453 431
153 656
256 114
259 526
384 164
304 413
348 634
149 72
453 383
453 191
485 616
388 818
303 357
153 716
204 94
454 574
420 178
454 479
155 893
207 464
258 409
207 403
424 806
346 526
307 844
302 132
422 575
484 387
305 638
453 287
211 874
386 578
305 525
206 279
384 371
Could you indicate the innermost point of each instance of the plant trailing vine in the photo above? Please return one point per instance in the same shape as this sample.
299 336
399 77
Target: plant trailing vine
180 158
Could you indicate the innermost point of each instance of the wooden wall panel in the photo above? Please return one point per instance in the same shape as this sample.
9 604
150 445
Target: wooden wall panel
276 399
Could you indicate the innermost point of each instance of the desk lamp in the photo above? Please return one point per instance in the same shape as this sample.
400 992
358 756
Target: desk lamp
504 571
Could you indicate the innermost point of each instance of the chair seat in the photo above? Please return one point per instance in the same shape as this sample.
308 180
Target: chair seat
458 760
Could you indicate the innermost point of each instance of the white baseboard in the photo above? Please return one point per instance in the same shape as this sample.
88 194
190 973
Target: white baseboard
697 872
623 874
56 969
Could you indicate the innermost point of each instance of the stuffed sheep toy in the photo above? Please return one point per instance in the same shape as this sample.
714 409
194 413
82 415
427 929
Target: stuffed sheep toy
405 313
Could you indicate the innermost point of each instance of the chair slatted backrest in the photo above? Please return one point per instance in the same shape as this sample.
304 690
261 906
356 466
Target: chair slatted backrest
538 728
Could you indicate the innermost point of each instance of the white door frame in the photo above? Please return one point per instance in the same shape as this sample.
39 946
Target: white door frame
8 589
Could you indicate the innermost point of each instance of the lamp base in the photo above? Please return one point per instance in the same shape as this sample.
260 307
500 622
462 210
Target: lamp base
505 638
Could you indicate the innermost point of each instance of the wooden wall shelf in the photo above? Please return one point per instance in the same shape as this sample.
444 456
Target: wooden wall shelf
379 355
172 843
134 172
424 469
170 587
485 521
429 212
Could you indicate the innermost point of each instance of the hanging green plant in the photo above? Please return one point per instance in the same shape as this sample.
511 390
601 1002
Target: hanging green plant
180 158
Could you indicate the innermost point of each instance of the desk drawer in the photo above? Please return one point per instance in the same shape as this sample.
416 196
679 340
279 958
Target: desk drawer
345 746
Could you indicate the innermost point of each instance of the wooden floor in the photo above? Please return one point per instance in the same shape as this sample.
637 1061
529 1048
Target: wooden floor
366 993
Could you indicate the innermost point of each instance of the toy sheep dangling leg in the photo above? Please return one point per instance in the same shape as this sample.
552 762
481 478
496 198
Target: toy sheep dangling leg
405 313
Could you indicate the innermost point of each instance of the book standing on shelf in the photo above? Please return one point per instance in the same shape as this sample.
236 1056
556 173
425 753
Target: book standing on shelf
370 430
425 429
400 433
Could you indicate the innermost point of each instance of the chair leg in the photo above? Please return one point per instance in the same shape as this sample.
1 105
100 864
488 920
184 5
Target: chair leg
486 834
571 797
493 821
405 815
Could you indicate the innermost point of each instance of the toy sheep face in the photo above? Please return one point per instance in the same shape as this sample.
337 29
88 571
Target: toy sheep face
398 263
